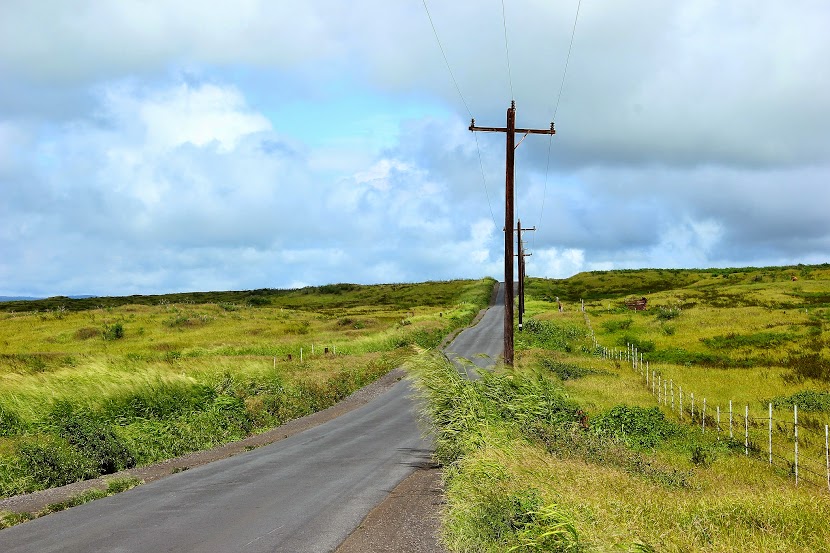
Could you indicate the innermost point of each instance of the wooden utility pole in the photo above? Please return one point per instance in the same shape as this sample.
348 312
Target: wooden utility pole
511 131
521 257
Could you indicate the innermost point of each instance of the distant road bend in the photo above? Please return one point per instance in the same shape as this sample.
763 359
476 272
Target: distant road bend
307 492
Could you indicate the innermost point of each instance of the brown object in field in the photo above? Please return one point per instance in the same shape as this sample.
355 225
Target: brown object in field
636 304
795 278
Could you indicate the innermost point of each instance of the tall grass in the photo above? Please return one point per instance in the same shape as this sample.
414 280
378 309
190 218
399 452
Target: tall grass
612 471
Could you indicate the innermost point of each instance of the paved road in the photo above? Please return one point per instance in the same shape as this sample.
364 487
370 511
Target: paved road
483 343
304 493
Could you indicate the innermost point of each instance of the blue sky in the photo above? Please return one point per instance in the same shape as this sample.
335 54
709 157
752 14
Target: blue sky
151 147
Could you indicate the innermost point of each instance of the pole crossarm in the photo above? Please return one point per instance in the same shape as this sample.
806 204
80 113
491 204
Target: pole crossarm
473 128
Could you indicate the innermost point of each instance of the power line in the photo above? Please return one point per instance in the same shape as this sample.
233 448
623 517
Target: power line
507 51
555 110
438 40
567 60
463 101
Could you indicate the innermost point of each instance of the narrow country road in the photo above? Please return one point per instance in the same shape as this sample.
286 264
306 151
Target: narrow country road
305 493
483 343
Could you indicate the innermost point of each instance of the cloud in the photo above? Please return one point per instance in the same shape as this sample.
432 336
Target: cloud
150 146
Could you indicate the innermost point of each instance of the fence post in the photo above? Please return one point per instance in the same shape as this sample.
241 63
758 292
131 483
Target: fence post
717 427
301 355
671 388
665 402
653 386
659 380
692 411
703 417
680 390
730 420
770 434
795 425
746 430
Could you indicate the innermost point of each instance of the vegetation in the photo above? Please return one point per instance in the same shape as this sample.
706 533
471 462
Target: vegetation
569 451
90 387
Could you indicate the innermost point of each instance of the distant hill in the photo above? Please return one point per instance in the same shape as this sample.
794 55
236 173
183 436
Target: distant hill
33 298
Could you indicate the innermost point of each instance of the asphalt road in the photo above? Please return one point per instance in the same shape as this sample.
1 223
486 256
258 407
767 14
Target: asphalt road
307 492
483 343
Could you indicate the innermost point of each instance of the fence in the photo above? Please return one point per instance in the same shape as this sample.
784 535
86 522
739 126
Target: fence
786 443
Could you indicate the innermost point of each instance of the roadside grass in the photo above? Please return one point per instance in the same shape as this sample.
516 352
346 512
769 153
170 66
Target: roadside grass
85 393
114 486
615 470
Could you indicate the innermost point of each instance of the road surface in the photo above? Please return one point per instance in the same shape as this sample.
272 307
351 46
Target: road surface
307 492
483 343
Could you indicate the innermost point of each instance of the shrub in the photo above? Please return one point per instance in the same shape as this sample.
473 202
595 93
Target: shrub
807 400
550 335
615 325
565 371
86 333
636 426
93 438
51 462
113 332
10 422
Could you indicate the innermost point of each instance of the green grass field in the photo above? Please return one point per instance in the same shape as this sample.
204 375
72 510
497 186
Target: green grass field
93 386
570 451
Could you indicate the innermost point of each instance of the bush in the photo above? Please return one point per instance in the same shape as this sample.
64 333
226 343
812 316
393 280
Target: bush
565 371
807 400
93 438
10 422
550 335
636 426
113 331
51 462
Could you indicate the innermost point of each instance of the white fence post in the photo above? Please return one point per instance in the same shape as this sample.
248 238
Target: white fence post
795 426
680 390
659 380
301 355
746 430
692 411
703 417
730 420
671 388
827 452
665 402
770 433
717 427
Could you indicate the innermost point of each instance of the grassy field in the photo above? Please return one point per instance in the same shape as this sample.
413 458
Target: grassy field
93 386
570 451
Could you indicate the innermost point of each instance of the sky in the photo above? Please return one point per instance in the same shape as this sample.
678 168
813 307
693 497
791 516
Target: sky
154 147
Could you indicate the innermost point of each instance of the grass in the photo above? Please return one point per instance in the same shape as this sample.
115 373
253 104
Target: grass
95 386
114 486
569 451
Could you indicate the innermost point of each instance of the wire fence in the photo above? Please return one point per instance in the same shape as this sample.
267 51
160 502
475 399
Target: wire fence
776 437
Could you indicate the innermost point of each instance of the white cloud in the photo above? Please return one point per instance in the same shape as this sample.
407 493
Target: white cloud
150 146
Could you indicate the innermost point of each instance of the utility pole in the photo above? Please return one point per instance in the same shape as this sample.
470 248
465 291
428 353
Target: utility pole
511 131
521 257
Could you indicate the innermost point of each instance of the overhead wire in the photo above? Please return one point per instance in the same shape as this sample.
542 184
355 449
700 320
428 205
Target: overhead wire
555 111
466 106
507 51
